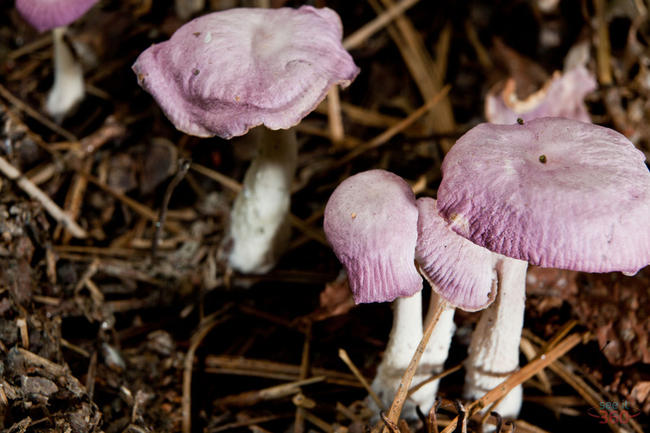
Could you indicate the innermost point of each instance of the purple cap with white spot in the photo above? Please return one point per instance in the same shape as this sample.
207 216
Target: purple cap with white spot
554 192
47 14
226 72
371 222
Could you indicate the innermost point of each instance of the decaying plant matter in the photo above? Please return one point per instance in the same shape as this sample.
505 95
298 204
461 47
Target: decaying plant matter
121 311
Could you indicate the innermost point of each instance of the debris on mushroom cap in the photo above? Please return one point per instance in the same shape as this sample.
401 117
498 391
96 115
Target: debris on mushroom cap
226 72
371 222
562 96
47 14
584 206
459 270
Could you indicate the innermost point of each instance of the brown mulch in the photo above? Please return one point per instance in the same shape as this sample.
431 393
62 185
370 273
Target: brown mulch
103 334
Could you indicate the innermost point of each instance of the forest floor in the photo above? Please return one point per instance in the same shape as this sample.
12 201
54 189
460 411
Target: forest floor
118 327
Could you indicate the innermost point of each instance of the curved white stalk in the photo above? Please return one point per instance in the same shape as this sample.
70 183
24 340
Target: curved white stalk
68 88
494 350
436 352
404 338
259 223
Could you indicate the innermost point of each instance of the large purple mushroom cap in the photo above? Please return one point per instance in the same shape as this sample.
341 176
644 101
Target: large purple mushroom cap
226 72
371 222
562 96
47 14
458 270
554 192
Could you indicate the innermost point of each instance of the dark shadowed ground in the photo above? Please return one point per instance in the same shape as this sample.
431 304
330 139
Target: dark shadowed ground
99 334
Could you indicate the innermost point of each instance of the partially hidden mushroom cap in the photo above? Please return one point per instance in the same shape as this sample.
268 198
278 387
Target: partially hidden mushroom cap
47 14
226 72
458 270
371 223
554 192
562 96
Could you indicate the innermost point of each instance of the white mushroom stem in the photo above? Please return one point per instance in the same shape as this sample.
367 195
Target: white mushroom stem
68 89
494 350
403 340
436 352
259 223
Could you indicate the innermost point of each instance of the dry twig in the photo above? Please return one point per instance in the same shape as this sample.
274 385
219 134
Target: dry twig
353 368
382 20
35 114
334 118
525 373
37 194
385 136
402 391
208 324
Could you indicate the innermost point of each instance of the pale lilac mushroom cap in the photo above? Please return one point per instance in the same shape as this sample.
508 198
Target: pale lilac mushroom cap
562 96
371 223
554 192
461 272
226 72
47 14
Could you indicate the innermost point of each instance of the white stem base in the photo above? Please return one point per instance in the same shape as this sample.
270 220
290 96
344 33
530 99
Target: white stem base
436 352
404 338
68 89
259 223
494 350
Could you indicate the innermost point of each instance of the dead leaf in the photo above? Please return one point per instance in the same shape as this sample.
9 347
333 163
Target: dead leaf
335 300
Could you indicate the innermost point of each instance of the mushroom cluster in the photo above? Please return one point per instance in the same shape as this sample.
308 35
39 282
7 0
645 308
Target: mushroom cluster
379 231
553 192
227 72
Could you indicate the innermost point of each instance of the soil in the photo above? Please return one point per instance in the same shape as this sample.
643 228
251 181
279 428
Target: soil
140 326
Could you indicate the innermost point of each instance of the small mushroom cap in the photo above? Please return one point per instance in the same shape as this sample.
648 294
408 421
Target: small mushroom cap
458 270
554 192
47 14
371 222
226 72
562 96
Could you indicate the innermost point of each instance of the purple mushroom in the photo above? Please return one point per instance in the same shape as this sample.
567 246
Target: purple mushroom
562 96
461 276
227 72
552 192
378 231
68 88
371 221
